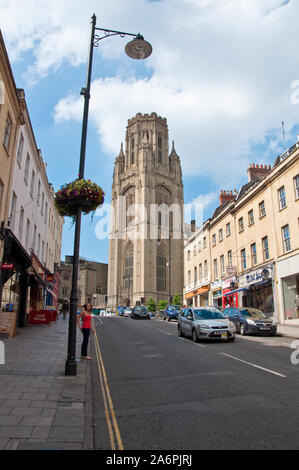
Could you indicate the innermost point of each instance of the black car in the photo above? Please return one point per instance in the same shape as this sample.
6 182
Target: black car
141 313
251 320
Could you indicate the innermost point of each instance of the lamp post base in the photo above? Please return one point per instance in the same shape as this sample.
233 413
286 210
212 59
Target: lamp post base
71 368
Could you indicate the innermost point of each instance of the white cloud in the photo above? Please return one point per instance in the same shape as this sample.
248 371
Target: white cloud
221 72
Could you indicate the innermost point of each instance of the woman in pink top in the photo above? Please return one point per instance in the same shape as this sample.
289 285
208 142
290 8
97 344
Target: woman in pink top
85 316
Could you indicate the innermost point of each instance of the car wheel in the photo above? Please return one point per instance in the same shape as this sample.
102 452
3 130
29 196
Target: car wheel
180 333
194 336
168 319
242 329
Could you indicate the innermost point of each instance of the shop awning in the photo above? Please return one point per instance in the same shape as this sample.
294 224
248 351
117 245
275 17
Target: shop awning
234 291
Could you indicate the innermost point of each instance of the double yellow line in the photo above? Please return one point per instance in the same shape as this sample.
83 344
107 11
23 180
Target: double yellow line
113 429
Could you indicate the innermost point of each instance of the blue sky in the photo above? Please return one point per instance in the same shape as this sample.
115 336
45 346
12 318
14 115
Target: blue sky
220 72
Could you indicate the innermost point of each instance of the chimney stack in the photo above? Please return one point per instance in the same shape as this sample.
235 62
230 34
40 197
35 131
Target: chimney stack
257 172
226 196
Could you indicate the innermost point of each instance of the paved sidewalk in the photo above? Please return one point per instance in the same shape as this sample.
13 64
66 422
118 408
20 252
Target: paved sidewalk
290 331
41 408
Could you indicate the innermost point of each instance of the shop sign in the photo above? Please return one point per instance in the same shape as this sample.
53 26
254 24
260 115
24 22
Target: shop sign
226 283
231 269
215 285
217 294
7 266
253 277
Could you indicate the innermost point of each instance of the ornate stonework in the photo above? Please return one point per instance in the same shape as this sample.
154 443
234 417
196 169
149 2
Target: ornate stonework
145 258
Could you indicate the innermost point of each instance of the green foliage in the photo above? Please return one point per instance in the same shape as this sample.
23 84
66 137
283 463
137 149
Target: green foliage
151 305
162 304
176 300
80 193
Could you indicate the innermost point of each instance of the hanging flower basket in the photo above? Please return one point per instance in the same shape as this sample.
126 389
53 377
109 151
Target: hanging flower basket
80 193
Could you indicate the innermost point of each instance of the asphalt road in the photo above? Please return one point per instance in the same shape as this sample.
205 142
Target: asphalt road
155 391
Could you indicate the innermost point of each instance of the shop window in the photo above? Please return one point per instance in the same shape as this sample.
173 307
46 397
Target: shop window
262 209
286 238
290 287
296 186
282 198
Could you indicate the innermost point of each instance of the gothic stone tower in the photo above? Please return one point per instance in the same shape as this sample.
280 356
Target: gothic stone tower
146 246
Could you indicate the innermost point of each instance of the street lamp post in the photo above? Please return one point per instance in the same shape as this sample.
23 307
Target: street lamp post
138 48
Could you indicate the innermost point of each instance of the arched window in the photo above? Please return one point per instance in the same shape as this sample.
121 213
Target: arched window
128 266
161 271
130 201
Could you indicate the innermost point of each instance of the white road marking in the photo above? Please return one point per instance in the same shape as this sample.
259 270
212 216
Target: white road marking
191 342
253 365
164 332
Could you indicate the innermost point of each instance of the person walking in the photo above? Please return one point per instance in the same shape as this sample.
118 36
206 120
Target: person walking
65 309
85 317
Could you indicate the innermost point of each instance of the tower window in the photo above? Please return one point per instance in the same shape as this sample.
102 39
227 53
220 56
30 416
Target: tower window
159 149
132 150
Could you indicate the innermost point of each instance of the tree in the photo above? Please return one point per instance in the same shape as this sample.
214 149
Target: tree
176 300
162 304
151 305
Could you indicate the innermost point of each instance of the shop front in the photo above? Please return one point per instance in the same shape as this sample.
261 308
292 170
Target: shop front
257 289
15 278
288 285
198 297
216 294
230 292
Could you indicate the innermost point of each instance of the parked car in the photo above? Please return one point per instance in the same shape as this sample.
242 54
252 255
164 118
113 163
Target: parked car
121 311
171 312
205 323
141 313
251 320
127 311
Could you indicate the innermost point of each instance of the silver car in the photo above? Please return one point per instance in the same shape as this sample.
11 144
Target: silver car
205 323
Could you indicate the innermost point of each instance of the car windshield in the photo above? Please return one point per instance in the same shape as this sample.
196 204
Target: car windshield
208 314
173 307
252 313
141 310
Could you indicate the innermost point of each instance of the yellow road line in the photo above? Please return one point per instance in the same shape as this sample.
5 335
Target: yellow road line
108 404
